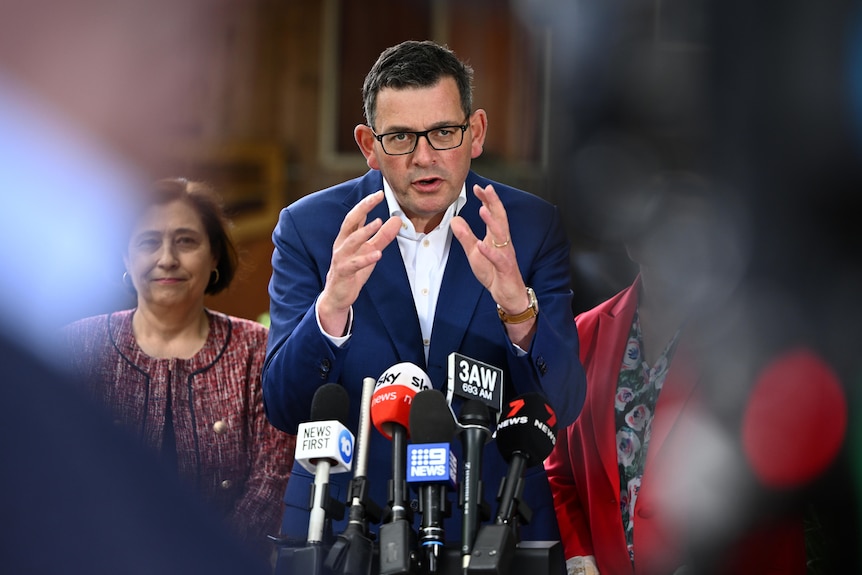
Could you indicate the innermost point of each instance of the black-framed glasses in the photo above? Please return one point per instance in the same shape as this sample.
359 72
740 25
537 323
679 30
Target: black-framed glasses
403 143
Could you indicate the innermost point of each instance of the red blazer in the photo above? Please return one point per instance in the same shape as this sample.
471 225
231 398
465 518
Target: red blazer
584 476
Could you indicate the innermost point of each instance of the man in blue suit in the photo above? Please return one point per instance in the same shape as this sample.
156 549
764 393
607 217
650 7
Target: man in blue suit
348 302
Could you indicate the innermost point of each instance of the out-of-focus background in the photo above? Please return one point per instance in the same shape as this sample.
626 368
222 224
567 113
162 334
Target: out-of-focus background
586 102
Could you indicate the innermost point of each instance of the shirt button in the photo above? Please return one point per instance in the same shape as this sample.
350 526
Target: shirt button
220 427
646 512
426 342
426 243
424 291
226 484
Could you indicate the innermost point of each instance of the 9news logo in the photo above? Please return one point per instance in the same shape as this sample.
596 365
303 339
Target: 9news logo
428 462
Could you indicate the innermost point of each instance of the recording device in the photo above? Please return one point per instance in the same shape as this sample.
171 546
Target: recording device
474 423
432 468
323 446
470 378
390 412
352 551
525 437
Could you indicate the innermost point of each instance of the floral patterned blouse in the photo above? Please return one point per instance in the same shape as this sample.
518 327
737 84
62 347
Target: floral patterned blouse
638 388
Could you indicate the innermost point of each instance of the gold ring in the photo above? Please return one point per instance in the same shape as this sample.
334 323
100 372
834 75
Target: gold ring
503 245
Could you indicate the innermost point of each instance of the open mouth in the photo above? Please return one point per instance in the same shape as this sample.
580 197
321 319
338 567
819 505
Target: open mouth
427 182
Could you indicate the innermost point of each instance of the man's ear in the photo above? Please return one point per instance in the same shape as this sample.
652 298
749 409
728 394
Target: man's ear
365 140
478 129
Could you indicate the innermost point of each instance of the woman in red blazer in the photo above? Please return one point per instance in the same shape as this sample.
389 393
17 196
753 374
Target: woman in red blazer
688 503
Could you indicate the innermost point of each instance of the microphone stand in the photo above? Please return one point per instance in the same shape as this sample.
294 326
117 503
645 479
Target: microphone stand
496 544
353 549
298 556
397 539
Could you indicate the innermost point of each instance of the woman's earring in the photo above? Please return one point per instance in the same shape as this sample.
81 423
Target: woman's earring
127 281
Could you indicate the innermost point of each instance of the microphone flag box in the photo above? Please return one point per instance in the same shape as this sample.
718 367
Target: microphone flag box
431 463
470 378
324 440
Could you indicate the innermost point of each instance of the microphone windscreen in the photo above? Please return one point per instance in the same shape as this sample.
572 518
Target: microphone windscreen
330 403
393 396
529 428
475 412
431 418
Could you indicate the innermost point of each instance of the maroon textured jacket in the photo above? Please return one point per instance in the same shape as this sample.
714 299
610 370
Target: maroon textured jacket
226 448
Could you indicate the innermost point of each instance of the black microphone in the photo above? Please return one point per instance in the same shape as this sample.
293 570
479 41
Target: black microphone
432 467
525 437
352 551
475 429
323 446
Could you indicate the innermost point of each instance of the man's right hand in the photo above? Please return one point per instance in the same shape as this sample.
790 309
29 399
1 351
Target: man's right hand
356 251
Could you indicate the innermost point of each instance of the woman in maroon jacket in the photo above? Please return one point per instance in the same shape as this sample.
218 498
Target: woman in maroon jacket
183 379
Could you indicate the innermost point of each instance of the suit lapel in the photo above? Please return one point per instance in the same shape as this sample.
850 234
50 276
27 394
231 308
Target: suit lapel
389 289
612 329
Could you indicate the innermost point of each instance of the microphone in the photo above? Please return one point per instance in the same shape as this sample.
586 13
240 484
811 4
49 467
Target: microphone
432 467
525 437
475 422
390 413
470 378
323 446
352 550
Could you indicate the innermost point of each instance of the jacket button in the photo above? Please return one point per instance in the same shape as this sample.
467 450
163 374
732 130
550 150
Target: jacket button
226 484
220 427
543 367
646 512
325 366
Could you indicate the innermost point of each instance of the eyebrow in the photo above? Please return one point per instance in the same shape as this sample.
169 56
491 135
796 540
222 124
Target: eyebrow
443 124
173 232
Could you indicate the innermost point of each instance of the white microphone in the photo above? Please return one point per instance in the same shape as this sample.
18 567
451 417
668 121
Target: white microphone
323 446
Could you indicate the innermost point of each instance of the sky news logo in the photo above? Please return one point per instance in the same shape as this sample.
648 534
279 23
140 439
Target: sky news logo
431 462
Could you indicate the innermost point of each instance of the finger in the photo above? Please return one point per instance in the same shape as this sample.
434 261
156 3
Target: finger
489 198
384 236
493 213
497 230
463 233
358 214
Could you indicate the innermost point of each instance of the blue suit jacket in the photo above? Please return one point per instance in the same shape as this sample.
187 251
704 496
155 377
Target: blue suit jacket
386 331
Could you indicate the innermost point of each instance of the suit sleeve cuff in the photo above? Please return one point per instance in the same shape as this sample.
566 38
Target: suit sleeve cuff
336 341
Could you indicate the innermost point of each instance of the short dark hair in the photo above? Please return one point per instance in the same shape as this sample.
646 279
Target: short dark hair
414 64
210 207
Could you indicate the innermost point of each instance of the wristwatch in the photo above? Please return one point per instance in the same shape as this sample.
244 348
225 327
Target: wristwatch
531 311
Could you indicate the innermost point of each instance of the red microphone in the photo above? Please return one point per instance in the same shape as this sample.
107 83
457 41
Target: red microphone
390 413
393 396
